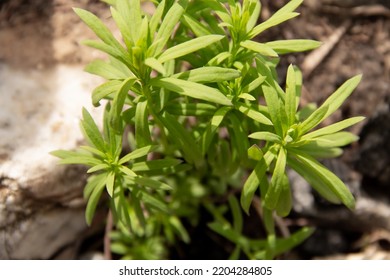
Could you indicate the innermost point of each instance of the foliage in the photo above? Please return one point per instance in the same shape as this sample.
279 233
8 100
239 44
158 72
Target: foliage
197 98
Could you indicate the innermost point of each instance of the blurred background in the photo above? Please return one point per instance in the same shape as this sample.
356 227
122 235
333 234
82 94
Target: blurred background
43 87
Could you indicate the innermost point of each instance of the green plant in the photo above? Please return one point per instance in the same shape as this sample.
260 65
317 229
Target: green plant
197 101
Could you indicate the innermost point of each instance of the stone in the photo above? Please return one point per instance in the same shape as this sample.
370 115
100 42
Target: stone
41 204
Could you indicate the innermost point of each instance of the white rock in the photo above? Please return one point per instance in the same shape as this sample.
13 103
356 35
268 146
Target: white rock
40 112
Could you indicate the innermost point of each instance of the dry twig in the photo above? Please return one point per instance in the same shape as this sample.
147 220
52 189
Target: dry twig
107 240
317 56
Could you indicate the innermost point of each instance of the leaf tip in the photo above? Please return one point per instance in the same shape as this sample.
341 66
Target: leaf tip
78 11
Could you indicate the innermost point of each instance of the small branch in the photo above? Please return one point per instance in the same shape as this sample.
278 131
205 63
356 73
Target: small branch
359 11
284 231
107 240
278 220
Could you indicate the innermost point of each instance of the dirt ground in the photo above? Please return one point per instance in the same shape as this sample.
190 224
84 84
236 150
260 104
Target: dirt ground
38 34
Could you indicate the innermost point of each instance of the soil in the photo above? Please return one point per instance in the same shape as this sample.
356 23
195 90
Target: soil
39 34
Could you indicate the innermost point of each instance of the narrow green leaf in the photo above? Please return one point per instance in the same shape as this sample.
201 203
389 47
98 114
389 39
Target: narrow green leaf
225 17
253 181
306 111
119 54
195 26
209 74
291 6
239 141
313 120
91 131
284 205
62 154
112 137
93 200
122 66
98 27
272 21
212 127
260 48
124 27
92 153
253 113
119 102
330 180
298 86
110 182
313 179
283 117
142 131
317 152
155 202
168 170
224 155
130 11
92 182
156 65
236 213
192 89
105 70
98 167
105 90
143 31
254 84
225 230
273 103
81 159
267 69
155 164
254 12
334 140
247 96
119 247
188 47
167 26
286 244
219 58
291 46
125 170
129 114
213 23
268 218
333 128
147 182
137 153
179 228
138 208
121 209
156 17
272 197
255 153
267 136
182 137
191 109
290 105
339 96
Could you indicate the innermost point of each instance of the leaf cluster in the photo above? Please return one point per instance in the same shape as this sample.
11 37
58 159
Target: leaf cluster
200 95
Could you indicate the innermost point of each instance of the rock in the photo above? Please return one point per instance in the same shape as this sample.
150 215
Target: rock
374 154
371 212
43 234
41 205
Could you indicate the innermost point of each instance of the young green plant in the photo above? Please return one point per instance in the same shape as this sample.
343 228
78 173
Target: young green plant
184 124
